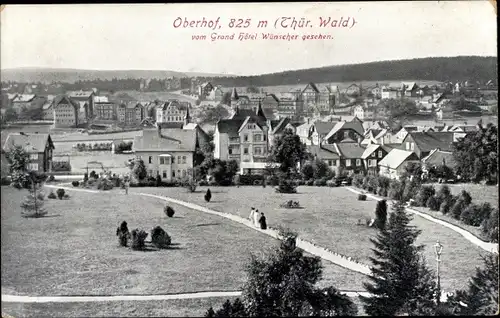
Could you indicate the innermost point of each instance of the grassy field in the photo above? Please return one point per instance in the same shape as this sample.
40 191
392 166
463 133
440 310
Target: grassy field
74 251
163 308
166 308
329 219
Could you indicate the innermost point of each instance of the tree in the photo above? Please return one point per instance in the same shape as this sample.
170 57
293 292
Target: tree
307 171
412 169
283 284
481 296
213 114
381 214
33 203
18 159
476 155
288 150
321 169
139 169
235 309
400 283
398 109
10 114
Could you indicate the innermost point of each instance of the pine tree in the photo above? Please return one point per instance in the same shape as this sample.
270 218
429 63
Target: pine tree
381 214
32 204
401 283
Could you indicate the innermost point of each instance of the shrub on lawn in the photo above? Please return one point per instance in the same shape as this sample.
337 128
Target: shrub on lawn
123 234
433 203
52 178
272 180
104 184
85 177
381 214
357 180
60 193
444 193
424 193
362 197
331 183
208 195
52 195
160 238
75 183
489 227
465 196
66 196
410 189
470 215
169 211
286 186
447 204
138 239
310 182
395 191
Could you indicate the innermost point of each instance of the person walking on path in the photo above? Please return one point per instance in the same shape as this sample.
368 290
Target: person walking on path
252 211
127 185
262 221
256 218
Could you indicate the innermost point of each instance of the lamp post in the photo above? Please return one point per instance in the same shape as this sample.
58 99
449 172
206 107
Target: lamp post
438 249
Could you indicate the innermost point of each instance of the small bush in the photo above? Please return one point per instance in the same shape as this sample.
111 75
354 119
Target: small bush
272 180
357 180
447 204
138 239
362 197
300 182
85 177
424 193
160 238
310 182
75 183
60 193
169 211
52 195
469 215
433 203
444 193
286 186
331 183
52 178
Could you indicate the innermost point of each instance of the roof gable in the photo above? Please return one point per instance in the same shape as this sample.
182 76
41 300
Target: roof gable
427 141
396 157
31 143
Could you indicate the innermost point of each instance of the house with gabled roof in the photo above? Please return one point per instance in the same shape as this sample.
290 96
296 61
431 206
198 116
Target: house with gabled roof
345 131
66 112
438 158
319 130
394 163
168 153
422 143
84 96
373 154
247 137
38 146
205 89
130 113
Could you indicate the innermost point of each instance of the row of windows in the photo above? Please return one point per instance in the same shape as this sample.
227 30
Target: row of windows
333 162
166 160
255 138
410 146
33 166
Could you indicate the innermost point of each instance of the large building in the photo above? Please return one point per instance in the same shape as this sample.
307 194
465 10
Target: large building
168 153
68 112
173 111
104 109
130 113
84 96
247 138
38 146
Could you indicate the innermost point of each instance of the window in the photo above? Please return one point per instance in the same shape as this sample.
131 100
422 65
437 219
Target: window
230 150
330 163
412 146
346 134
173 173
179 160
162 160
33 166
150 159
374 163
245 151
173 159
179 172
358 162
257 150
348 162
34 156
245 137
407 146
257 137
164 174
264 137
183 159
380 153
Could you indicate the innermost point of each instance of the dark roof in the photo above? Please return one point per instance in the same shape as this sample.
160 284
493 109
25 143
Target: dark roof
313 86
323 127
59 98
229 126
323 152
167 140
171 125
438 157
428 141
351 150
32 143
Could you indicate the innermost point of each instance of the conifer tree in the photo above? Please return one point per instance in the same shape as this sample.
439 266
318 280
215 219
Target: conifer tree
401 283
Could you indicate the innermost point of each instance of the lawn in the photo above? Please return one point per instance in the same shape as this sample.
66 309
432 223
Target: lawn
329 219
149 308
74 251
479 193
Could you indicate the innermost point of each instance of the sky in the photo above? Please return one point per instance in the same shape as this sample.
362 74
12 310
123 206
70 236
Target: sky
143 37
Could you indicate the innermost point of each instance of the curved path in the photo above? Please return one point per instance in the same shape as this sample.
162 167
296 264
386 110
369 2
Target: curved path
75 299
341 260
489 247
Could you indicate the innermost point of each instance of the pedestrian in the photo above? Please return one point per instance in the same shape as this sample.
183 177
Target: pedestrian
127 184
252 211
256 218
262 221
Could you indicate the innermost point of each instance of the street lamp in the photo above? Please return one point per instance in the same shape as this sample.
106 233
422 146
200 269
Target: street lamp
438 249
